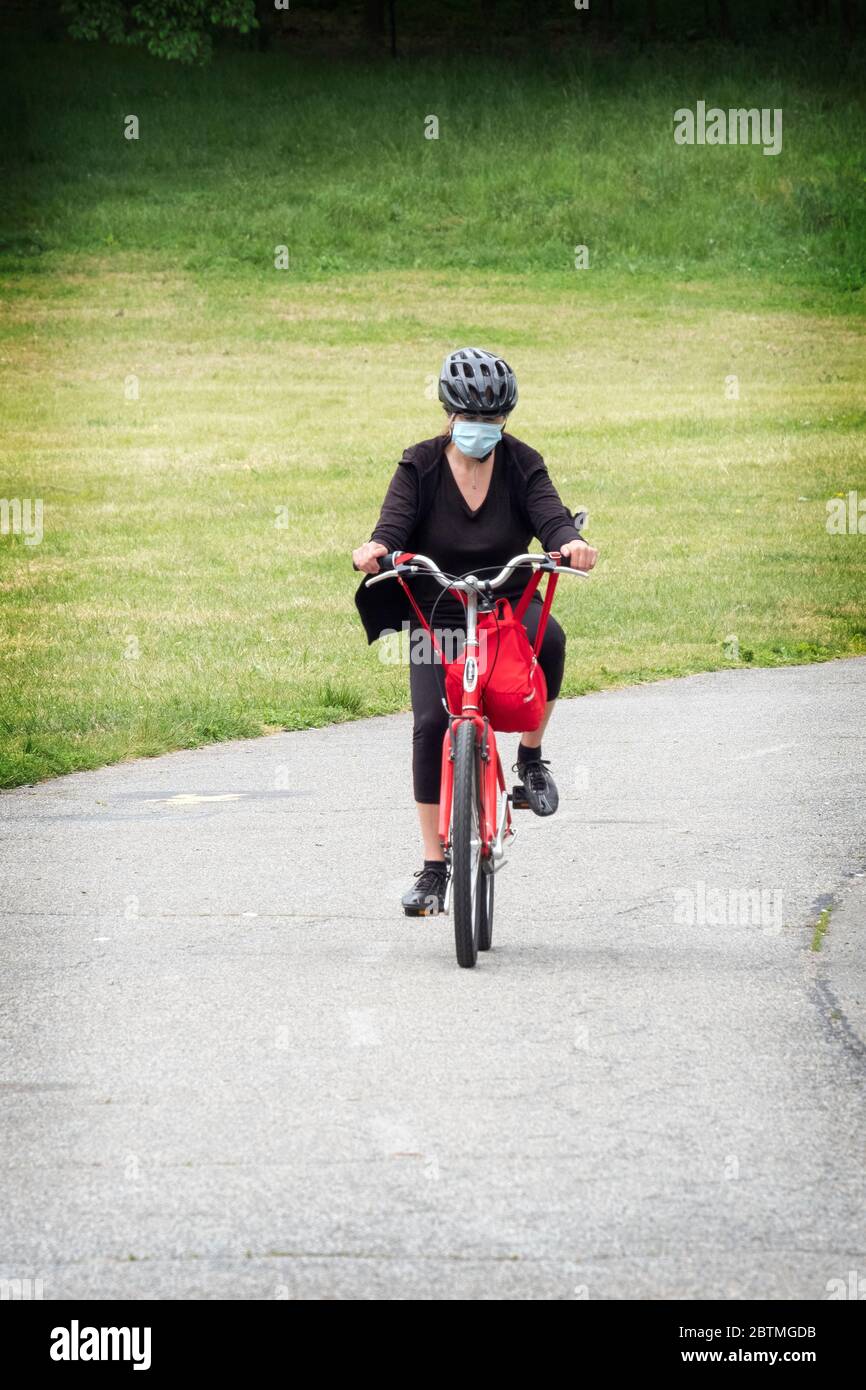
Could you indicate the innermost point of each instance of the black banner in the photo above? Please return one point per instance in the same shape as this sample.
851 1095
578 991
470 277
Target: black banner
221 1339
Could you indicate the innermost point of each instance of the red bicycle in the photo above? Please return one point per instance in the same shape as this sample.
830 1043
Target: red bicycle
474 804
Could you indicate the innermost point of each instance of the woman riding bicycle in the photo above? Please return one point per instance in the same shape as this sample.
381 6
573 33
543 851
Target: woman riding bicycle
470 498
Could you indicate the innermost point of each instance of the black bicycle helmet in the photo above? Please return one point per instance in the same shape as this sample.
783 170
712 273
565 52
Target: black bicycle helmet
475 382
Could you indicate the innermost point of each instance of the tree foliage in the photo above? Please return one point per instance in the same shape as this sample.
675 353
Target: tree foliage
179 29
185 29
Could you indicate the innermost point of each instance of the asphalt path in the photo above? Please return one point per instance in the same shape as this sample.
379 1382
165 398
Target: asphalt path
232 1069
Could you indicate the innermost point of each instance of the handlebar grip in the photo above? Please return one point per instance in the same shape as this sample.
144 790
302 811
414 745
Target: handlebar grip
386 562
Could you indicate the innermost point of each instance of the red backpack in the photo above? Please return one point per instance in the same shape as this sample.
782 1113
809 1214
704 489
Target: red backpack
509 674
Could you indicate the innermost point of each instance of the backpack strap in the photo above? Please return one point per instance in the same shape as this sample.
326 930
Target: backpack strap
527 595
545 611
526 598
402 559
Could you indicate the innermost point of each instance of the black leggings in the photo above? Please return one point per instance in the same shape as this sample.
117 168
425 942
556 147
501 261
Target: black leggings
427 683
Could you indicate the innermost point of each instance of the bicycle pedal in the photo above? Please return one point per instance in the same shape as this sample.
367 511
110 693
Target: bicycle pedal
519 799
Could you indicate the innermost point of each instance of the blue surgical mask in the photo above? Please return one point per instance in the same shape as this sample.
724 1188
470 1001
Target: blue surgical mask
475 438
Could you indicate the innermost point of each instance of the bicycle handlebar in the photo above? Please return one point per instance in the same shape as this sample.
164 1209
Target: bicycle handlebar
389 569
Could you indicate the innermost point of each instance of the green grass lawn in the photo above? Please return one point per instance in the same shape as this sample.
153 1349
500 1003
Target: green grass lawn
193 582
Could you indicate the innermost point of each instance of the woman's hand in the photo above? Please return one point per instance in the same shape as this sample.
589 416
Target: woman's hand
579 555
366 556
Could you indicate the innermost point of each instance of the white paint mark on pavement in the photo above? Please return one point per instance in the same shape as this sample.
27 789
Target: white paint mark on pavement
191 799
764 752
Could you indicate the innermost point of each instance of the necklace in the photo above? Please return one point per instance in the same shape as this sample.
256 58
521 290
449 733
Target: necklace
475 469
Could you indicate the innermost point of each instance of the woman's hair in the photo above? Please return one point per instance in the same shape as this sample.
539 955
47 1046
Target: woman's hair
446 428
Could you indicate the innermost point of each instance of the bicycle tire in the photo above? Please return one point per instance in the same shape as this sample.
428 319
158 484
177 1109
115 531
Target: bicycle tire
485 924
466 858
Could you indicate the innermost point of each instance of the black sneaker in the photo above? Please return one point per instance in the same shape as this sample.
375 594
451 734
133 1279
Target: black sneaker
427 898
539 786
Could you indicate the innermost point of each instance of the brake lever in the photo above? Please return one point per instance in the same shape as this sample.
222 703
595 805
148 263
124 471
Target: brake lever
377 578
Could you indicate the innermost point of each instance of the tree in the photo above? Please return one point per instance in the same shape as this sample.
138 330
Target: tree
726 26
375 14
848 18
179 29
374 18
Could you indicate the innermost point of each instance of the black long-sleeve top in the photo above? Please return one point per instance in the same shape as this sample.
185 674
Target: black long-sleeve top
424 511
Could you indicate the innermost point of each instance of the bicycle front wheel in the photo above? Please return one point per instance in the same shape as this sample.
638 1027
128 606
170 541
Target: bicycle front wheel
467 887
